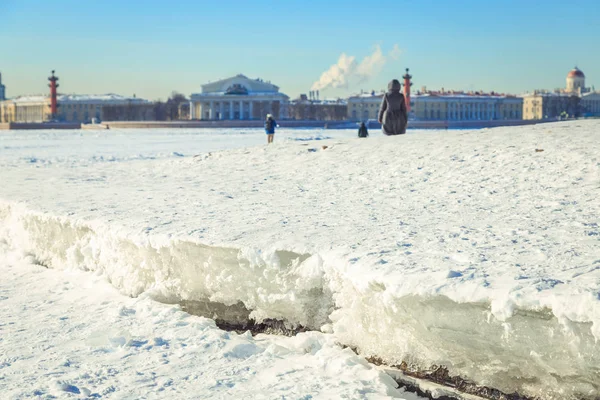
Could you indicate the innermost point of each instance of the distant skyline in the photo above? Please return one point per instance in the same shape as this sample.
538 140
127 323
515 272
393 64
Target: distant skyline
151 48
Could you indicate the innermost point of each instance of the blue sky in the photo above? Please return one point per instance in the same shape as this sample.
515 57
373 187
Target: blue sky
153 47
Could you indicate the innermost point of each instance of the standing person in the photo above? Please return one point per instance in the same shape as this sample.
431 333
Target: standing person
393 116
270 125
362 131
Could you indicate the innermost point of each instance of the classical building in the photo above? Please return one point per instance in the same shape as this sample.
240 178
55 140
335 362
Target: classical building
313 109
76 108
574 100
238 97
364 106
465 106
2 90
542 105
8 111
590 104
443 106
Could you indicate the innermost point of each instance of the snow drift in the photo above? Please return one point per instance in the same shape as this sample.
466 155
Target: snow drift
531 352
464 249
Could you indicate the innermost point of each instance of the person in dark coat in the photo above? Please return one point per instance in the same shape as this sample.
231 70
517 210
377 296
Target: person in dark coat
393 116
362 131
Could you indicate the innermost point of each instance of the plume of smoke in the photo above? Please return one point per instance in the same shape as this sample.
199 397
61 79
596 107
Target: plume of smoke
395 52
337 75
347 69
371 65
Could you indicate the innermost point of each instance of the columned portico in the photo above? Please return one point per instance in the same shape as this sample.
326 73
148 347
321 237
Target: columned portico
239 98
192 110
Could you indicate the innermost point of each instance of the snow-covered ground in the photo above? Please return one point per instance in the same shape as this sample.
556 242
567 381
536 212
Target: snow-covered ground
468 249
71 334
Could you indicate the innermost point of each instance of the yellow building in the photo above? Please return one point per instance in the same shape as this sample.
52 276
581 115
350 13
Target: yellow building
77 108
574 100
364 106
542 105
7 112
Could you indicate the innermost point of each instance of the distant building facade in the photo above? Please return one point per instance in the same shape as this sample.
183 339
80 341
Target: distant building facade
8 111
238 98
77 108
542 105
443 106
590 104
575 100
465 106
313 109
364 106
183 110
2 90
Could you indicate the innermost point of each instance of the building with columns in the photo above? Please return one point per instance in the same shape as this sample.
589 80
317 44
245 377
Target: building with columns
465 106
443 106
238 98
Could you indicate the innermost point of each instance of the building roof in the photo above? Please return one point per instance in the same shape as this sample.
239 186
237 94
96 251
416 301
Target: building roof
320 102
367 96
462 94
545 93
109 98
591 96
576 73
254 86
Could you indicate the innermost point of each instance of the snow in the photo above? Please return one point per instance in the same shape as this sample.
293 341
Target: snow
70 334
468 249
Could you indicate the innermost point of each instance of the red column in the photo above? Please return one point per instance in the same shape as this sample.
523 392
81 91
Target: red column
407 84
53 102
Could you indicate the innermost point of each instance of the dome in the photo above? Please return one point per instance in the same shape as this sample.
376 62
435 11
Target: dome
576 73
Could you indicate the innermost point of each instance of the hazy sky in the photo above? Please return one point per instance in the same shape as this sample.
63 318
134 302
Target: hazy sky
152 47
